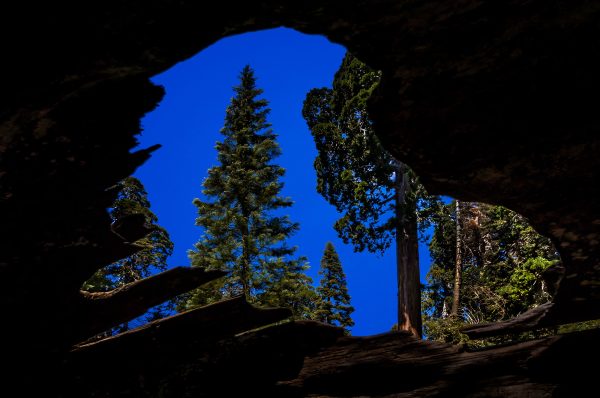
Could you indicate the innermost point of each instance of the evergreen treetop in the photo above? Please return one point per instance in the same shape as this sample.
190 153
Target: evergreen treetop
243 232
334 305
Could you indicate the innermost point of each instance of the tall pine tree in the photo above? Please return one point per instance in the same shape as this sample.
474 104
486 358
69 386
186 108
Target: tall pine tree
334 300
243 231
132 198
377 194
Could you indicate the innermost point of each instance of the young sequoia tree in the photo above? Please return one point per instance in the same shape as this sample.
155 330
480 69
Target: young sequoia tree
376 193
242 233
334 300
132 198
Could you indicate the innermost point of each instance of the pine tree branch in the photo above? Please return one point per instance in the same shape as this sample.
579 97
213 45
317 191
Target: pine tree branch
104 310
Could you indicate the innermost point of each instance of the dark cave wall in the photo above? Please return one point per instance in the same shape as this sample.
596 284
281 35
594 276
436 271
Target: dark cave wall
487 101
502 92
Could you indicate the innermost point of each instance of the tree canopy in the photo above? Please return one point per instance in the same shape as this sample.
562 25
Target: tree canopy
376 194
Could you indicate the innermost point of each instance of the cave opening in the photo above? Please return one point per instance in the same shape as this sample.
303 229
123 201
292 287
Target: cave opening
288 64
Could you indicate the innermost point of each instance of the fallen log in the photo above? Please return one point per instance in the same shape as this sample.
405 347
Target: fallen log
398 365
245 364
199 325
103 310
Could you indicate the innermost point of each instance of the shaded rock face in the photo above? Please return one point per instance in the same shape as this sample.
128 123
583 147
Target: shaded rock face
487 101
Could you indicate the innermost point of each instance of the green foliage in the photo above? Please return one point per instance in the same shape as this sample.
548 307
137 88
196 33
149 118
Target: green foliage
449 330
579 326
437 296
525 283
503 261
376 195
285 284
516 256
445 330
354 172
99 282
132 198
243 232
334 300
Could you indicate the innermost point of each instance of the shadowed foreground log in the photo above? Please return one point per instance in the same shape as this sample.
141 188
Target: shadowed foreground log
201 347
532 319
197 326
309 359
398 365
104 245
101 311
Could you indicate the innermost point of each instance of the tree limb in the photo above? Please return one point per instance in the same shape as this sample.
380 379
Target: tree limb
197 327
101 311
529 320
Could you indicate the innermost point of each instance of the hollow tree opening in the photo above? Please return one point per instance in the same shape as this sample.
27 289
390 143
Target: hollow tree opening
288 65
490 245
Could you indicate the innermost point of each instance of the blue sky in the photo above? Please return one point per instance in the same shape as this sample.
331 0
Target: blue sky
287 65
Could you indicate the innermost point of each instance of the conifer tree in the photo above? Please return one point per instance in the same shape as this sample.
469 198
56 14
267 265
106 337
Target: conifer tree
334 300
242 232
132 198
501 260
285 284
376 193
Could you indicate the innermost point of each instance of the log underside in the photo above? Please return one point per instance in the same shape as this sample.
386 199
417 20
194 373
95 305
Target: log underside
393 365
309 359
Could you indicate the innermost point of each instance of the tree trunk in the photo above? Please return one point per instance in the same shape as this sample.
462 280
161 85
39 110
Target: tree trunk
407 256
458 264
475 231
245 269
